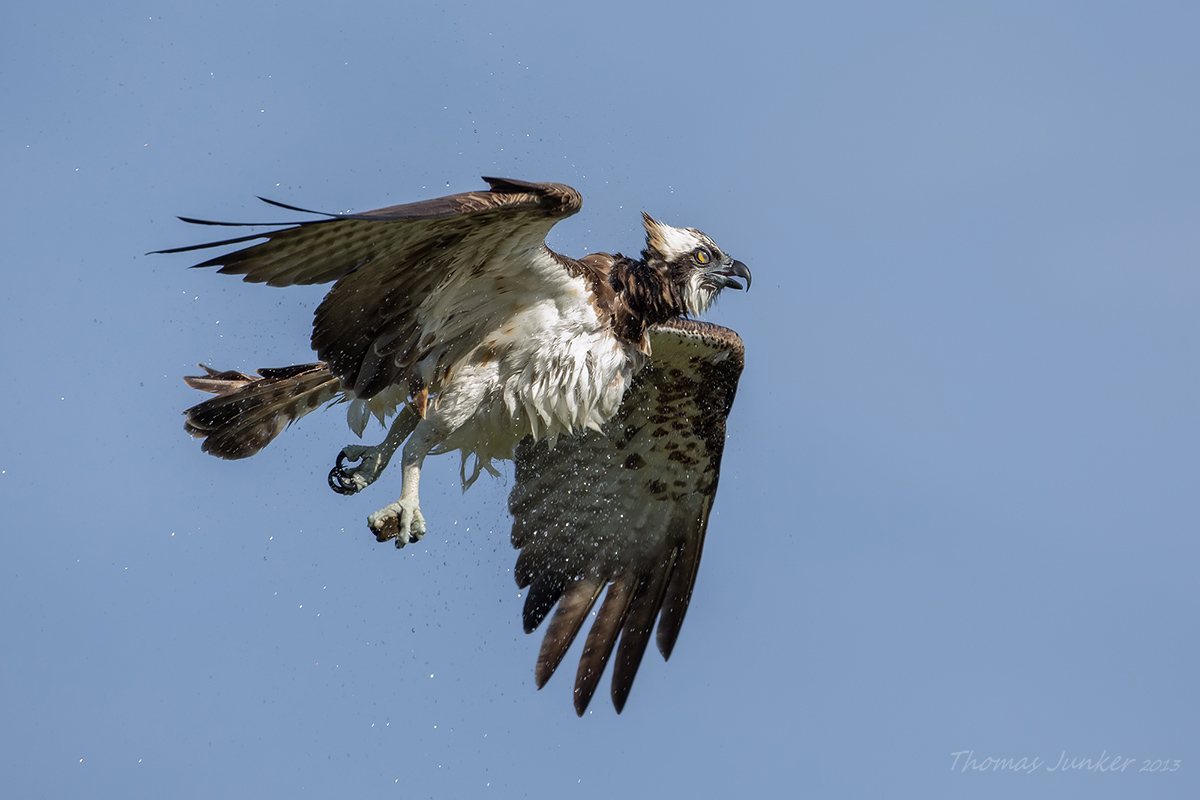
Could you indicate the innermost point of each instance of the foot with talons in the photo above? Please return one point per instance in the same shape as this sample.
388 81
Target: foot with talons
401 521
350 480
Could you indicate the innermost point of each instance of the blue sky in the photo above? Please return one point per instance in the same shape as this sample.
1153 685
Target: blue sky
959 503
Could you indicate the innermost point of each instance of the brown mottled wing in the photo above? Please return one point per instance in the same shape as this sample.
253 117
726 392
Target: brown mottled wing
396 269
627 510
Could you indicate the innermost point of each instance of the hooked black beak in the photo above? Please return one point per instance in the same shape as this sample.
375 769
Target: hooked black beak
735 270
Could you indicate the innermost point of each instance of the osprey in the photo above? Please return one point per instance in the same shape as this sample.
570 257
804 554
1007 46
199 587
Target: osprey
453 315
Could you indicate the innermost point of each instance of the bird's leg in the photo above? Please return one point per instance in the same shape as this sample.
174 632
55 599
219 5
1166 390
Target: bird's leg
402 520
372 460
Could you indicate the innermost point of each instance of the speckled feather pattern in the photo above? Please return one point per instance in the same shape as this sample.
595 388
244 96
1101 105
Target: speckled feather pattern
627 507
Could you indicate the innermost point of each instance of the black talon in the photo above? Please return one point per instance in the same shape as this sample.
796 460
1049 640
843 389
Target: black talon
340 479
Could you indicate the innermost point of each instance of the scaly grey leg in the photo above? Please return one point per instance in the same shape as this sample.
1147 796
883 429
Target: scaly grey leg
372 460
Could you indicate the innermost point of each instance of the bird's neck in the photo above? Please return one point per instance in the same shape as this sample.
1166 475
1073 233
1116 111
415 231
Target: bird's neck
644 296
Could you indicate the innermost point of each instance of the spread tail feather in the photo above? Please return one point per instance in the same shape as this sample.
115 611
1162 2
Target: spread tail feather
248 412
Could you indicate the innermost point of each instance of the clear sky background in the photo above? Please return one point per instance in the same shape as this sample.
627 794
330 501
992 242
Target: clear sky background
961 494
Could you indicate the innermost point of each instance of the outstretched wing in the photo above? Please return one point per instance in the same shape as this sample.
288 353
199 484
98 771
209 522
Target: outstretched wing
627 509
415 277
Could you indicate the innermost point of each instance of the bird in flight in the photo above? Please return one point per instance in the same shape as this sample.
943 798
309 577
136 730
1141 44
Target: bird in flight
452 317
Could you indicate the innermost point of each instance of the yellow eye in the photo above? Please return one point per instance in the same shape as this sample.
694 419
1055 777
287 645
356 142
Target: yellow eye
701 256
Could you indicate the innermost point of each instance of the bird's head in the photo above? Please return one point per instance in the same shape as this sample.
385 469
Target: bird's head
693 262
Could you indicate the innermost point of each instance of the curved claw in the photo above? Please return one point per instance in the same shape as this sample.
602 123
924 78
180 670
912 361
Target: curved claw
341 479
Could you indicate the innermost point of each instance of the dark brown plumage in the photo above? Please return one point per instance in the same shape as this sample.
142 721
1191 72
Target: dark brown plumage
628 509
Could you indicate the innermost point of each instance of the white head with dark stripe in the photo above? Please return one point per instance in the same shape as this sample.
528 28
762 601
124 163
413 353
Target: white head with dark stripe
694 262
